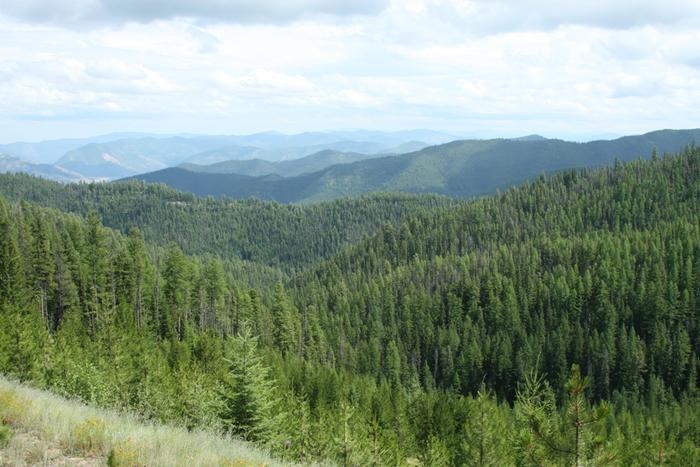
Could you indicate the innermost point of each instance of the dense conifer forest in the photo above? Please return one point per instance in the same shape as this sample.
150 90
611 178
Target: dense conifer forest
262 232
557 323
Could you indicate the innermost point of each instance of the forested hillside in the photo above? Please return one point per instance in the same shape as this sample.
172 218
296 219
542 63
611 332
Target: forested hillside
287 168
119 155
553 324
460 169
263 232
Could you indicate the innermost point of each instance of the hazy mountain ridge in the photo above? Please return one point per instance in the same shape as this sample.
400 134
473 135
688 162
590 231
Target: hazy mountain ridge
121 155
460 168
49 151
287 168
14 164
125 157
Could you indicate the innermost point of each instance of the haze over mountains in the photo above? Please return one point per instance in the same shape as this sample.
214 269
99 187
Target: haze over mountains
287 168
113 156
462 168
317 166
11 164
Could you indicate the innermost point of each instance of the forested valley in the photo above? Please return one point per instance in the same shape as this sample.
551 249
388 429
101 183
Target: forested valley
557 323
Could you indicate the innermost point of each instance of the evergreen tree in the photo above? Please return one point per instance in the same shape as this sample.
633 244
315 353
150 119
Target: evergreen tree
570 436
175 293
138 259
486 441
11 274
250 405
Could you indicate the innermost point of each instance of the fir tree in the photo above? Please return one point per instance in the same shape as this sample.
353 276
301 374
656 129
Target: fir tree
250 409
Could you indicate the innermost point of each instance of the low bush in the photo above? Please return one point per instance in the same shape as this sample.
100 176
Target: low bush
13 408
88 437
6 435
125 454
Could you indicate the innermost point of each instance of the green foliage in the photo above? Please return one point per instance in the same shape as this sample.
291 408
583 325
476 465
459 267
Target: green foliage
251 409
460 169
258 233
6 435
486 432
570 437
415 343
284 168
88 437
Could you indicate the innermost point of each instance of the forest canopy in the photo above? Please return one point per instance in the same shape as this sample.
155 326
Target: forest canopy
557 323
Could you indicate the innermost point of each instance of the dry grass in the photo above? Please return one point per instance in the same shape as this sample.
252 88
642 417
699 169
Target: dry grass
50 430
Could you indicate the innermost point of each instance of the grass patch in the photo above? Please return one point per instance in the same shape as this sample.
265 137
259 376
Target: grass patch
88 436
113 438
6 435
13 408
126 453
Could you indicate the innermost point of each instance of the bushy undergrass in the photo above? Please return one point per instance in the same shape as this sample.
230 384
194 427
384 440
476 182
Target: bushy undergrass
6 435
112 438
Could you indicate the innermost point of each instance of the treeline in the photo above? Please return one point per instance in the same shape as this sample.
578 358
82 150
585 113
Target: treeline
556 323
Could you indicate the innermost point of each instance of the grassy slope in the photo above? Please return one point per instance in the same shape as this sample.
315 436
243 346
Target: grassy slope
51 430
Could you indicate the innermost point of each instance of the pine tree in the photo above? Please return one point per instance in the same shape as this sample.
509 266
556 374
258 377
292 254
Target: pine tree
436 453
345 442
97 262
138 257
215 287
486 440
175 293
11 275
286 322
300 439
569 437
42 265
250 403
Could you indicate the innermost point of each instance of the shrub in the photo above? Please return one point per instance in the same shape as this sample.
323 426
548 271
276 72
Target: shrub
124 454
88 436
13 408
6 435
226 462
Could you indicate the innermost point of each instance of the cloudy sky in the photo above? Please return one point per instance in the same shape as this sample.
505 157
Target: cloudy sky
571 69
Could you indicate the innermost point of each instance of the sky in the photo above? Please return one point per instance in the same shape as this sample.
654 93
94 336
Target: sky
478 68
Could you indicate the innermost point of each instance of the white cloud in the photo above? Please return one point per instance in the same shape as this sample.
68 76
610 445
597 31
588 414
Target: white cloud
493 16
488 68
265 81
95 12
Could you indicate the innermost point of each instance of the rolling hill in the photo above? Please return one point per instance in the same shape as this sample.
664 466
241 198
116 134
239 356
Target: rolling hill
124 157
118 155
461 168
287 153
14 164
49 151
288 168
261 231
431 320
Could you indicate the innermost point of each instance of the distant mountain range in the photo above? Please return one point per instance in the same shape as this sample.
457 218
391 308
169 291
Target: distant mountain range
285 168
14 164
366 148
460 168
48 152
115 156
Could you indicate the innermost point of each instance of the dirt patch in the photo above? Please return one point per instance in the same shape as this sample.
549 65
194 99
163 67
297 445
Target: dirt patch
28 449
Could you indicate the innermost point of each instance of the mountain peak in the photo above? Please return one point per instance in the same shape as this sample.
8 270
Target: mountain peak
529 138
